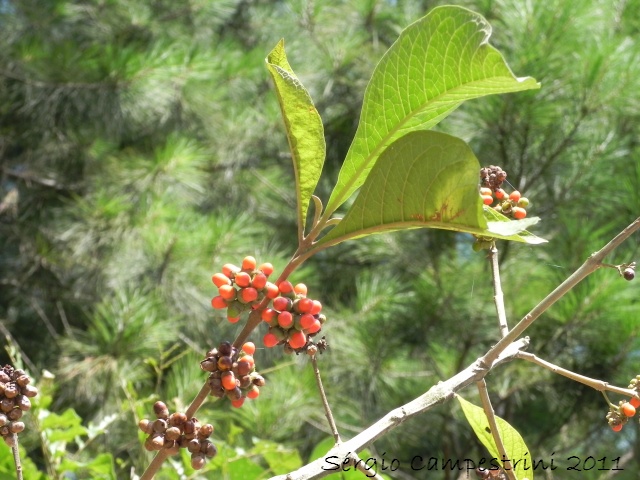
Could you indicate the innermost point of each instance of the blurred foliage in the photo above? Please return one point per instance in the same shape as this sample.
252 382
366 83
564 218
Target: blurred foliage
141 148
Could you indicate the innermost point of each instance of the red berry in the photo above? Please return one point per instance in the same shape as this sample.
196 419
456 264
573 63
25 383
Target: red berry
259 281
297 340
285 319
229 270
218 302
314 327
268 314
220 279
635 402
317 307
272 290
249 294
228 380
485 191
282 304
519 213
500 194
616 428
305 305
249 348
249 263
253 392
514 196
307 320
227 292
285 287
233 319
270 340
487 199
243 279
248 359
237 403
300 289
628 409
266 268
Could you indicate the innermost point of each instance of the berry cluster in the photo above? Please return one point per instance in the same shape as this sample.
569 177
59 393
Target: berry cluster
15 391
233 372
240 289
176 431
512 205
293 319
619 415
488 473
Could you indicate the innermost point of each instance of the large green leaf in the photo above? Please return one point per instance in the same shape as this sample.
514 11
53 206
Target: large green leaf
304 128
516 449
436 64
424 179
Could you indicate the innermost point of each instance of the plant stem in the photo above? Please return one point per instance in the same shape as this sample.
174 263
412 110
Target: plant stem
325 402
498 296
493 425
155 465
16 457
594 383
588 267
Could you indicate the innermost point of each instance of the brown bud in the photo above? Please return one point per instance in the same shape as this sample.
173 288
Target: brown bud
234 394
3 420
225 363
23 403
194 445
4 431
6 404
245 382
217 392
244 368
23 380
29 391
159 425
15 414
172 433
212 353
205 430
258 380
18 372
4 378
177 419
209 365
145 425
189 426
11 390
172 448
197 461
158 441
148 444
210 450
161 410
16 427
225 349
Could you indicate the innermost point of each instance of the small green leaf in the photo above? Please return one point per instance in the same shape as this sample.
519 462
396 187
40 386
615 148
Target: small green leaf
436 64
304 129
425 179
499 226
517 451
281 459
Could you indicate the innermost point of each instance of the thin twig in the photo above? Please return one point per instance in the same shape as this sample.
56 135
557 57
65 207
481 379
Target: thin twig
325 402
493 425
16 457
594 383
498 296
588 267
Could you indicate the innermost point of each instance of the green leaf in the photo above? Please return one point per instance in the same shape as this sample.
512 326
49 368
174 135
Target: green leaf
281 459
436 64
63 428
424 179
304 128
514 445
499 226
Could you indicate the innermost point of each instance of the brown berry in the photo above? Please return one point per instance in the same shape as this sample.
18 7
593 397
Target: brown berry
629 274
161 410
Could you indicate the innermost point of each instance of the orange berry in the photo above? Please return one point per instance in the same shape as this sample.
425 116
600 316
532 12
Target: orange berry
485 191
519 213
307 320
249 348
229 269
233 319
297 340
305 305
266 268
218 302
220 279
228 380
243 279
249 294
515 196
314 327
635 402
268 314
259 281
628 409
285 287
285 319
248 359
317 307
487 199
249 263
500 194
272 290
253 392
270 340
237 403
282 304
300 289
616 428
227 292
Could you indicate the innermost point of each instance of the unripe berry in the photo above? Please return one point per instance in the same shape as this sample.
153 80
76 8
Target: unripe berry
523 202
194 445
627 409
205 430
197 461
159 425
266 268
297 340
244 368
514 196
210 450
300 289
23 403
177 419
485 191
11 390
220 279
16 427
160 409
172 433
249 263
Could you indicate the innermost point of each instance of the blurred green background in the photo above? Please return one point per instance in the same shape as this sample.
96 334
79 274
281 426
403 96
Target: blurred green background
141 147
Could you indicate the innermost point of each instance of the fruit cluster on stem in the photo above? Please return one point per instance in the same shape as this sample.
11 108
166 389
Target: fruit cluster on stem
620 414
171 432
15 392
512 205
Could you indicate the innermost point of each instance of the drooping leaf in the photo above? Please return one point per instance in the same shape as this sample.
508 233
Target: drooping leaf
436 64
425 179
499 226
304 128
517 451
